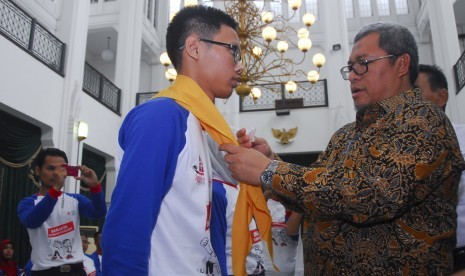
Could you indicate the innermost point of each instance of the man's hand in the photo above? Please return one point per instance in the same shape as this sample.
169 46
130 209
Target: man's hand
88 176
257 143
246 165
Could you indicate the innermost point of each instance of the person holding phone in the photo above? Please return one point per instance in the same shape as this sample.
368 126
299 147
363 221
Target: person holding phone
52 216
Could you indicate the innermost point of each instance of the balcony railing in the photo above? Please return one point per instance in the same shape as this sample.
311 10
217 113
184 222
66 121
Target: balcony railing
142 97
23 30
459 71
306 96
100 88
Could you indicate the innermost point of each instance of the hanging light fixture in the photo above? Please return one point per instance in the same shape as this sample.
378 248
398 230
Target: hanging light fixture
264 61
107 54
190 3
171 74
255 93
165 60
291 86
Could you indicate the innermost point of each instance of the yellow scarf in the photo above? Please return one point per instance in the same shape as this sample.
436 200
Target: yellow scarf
250 201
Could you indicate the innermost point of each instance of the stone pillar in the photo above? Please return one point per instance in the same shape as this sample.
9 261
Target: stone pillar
446 47
72 30
335 32
128 53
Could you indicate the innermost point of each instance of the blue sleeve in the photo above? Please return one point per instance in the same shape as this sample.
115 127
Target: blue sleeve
28 268
32 216
92 208
95 258
151 136
218 224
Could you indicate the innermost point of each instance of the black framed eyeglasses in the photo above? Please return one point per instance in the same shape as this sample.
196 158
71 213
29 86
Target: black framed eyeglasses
236 52
360 67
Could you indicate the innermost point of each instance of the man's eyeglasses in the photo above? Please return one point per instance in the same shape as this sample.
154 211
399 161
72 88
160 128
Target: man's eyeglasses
236 52
360 67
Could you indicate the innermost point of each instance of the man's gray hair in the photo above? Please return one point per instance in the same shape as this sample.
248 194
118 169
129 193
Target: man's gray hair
395 39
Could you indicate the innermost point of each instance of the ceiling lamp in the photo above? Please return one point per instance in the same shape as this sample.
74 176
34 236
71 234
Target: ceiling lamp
291 86
255 93
190 3
319 60
313 76
171 74
165 60
265 45
107 54
308 19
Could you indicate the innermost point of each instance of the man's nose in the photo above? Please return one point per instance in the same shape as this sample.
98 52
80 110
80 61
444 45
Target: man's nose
353 76
238 68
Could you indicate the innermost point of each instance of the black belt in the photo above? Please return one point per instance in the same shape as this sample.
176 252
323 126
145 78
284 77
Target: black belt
65 268
459 259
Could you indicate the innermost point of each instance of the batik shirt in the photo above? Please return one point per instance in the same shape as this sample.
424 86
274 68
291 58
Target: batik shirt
381 198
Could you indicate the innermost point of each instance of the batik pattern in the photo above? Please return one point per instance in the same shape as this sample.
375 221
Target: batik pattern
381 198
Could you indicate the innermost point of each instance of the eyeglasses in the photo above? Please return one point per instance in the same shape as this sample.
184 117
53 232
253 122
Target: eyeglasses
236 52
360 67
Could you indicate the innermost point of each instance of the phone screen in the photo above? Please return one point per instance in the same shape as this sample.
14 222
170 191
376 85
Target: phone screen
72 170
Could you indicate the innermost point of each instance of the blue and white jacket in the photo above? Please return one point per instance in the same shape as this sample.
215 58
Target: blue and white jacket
159 219
53 226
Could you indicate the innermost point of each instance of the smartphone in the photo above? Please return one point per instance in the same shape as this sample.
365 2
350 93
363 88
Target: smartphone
72 170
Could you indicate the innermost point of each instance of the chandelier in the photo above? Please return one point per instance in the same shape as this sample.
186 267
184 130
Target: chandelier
264 44
265 37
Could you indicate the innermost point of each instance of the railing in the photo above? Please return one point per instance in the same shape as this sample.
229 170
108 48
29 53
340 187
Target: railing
99 87
459 72
307 95
23 30
142 97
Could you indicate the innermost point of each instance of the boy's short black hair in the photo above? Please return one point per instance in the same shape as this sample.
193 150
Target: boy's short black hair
201 20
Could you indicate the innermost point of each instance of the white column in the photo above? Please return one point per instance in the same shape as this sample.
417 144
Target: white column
128 54
72 30
335 31
446 47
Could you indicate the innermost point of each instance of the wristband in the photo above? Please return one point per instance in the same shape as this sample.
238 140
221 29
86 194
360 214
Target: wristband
96 189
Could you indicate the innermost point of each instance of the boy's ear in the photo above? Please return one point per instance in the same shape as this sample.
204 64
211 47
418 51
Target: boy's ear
192 47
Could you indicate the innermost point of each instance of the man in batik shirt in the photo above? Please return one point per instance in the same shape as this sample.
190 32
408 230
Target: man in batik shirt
381 198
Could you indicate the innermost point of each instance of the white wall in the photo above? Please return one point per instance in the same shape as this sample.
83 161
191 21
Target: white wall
33 92
29 87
